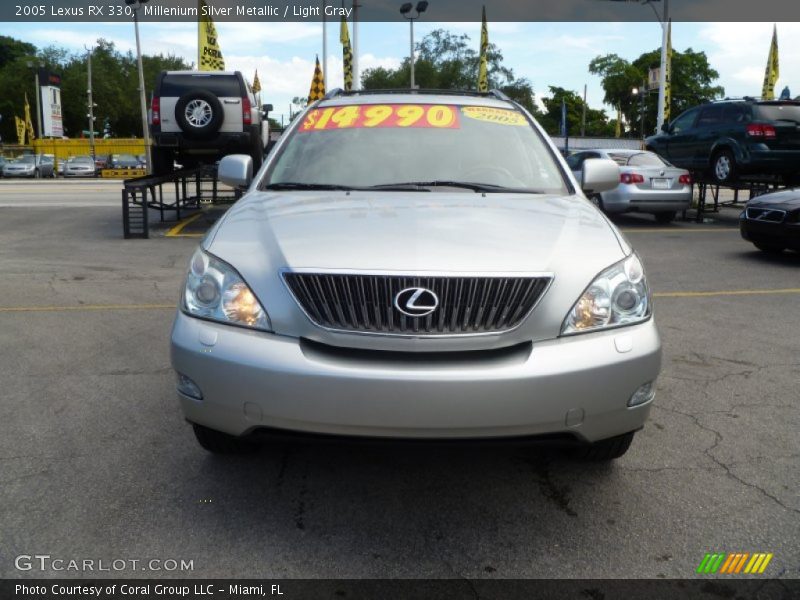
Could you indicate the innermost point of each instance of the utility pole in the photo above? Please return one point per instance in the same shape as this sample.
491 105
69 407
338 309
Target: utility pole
405 10
583 115
324 47
662 76
91 101
356 74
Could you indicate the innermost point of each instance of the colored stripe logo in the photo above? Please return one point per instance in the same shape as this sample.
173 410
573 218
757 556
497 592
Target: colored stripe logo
734 563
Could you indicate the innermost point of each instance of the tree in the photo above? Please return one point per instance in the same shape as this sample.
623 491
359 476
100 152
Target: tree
692 83
448 61
115 83
597 124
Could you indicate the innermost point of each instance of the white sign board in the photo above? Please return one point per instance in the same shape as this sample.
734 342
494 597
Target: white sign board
52 125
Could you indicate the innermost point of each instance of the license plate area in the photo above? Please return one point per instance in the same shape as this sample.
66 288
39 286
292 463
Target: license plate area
661 183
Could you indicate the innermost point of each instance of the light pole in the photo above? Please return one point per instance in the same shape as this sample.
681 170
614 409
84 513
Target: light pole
641 91
136 5
90 104
37 92
405 10
662 77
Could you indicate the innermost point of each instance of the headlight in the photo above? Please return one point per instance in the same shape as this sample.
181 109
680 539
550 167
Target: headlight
618 296
214 290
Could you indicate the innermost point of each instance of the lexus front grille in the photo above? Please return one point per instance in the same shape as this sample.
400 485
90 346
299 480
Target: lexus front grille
367 303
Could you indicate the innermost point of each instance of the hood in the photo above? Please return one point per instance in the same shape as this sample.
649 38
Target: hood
783 200
563 236
414 231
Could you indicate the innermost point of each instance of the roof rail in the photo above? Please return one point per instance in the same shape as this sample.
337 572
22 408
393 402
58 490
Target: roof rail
492 93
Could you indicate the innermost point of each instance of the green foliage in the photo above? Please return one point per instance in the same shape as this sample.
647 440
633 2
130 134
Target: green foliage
597 124
692 84
450 62
115 85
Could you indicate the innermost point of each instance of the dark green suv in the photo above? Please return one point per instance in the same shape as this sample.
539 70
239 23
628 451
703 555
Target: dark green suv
734 138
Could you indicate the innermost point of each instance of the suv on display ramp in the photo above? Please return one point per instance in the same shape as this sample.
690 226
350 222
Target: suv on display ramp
200 116
734 138
416 265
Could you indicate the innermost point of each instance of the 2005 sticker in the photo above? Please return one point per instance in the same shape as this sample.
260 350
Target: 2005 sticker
500 116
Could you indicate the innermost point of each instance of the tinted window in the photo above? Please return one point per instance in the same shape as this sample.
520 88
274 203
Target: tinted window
710 115
219 85
735 113
645 159
777 112
367 145
684 122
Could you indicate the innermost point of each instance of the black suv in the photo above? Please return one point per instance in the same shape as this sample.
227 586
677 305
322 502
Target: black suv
733 138
198 117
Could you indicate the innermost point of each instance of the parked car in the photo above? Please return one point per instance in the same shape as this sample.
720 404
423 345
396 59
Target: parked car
81 166
3 161
452 282
124 161
772 221
735 138
647 184
30 165
102 161
62 165
199 116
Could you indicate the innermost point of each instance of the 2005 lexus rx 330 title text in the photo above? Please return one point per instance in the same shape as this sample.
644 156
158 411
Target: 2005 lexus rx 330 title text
416 265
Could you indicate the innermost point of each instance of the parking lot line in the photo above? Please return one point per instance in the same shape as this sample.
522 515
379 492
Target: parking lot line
12 309
677 230
726 293
176 231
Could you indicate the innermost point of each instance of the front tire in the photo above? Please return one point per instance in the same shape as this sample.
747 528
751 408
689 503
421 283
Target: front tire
597 200
723 167
604 450
217 442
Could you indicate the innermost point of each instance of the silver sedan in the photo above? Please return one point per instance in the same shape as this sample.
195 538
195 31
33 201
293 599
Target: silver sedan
647 184
80 166
416 266
30 165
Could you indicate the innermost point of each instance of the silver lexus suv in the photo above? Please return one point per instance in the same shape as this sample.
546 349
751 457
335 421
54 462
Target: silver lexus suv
416 265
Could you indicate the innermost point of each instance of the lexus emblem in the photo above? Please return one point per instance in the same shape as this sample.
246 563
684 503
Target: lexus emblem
416 302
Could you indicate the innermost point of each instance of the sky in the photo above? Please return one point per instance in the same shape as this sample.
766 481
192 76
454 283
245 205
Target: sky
547 54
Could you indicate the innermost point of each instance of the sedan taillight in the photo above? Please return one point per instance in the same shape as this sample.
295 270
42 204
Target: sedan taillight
686 178
631 178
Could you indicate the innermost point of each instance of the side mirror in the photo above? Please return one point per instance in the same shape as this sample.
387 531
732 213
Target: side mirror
599 175
267 108
665 127
236 170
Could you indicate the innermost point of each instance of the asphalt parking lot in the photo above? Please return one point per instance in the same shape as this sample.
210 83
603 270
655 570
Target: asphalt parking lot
96 461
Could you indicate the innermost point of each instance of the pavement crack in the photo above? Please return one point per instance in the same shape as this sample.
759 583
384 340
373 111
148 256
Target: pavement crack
709 452
558 495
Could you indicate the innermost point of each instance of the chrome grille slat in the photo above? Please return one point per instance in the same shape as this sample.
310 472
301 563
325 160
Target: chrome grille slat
364 303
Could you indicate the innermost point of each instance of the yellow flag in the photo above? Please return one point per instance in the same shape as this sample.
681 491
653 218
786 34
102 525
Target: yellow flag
317 91
772 72
20 130
483 69
209 56
347 56
668 76
256 87
28 121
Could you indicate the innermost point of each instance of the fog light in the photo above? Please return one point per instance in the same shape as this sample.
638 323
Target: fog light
187 387
644 394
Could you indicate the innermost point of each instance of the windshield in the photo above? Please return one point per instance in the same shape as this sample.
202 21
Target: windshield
26 160
362 146
779 112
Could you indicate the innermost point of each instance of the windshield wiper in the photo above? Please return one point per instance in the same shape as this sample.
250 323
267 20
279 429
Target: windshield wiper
295 185
476 187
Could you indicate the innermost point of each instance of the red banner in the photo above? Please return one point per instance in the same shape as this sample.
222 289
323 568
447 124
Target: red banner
367 116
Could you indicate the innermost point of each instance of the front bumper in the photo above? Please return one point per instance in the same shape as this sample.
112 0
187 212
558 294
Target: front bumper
784 234
578 385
